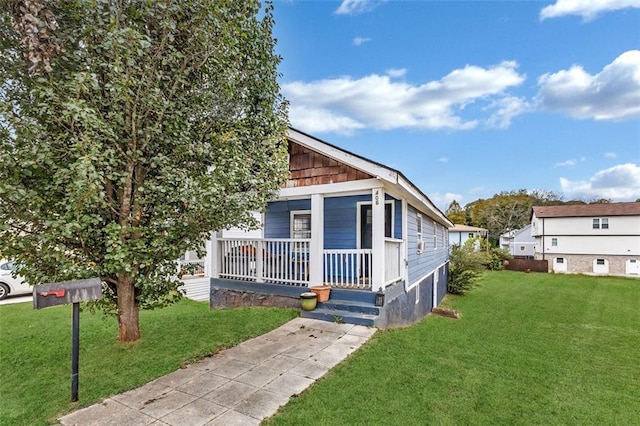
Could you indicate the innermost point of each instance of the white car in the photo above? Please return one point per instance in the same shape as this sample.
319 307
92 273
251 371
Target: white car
8 284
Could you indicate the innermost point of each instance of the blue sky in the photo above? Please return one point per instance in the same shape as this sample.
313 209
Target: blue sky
470 98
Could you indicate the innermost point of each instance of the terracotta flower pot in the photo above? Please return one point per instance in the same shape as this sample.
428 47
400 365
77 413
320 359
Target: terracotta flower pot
322 291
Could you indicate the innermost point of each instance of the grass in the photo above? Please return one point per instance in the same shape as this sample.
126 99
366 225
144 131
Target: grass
529 349
35 352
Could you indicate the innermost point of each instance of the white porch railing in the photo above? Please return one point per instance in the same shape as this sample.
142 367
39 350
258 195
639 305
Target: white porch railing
276 260
286 261
348 268
191 268
392 260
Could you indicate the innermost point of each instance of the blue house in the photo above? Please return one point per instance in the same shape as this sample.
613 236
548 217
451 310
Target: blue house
342 221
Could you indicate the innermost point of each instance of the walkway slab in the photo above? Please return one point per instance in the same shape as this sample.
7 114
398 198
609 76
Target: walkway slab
237 386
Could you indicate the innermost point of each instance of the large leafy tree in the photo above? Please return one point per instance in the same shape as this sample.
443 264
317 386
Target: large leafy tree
507 210
129 130
455 213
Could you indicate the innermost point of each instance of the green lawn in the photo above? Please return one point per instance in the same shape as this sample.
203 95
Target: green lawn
35 352
530 349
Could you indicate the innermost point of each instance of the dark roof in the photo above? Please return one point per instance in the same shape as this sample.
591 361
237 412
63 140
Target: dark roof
585 210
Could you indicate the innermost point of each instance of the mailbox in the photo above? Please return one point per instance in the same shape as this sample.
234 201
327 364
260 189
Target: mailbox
67 292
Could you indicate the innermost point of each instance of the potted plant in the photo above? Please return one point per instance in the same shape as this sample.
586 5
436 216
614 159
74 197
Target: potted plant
322 291
308 301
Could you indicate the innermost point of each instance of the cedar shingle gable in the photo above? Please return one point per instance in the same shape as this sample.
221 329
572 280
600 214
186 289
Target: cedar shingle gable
308 167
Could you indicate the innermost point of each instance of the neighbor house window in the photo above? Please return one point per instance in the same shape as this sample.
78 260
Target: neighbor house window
521 248
599 261
554 242
470 235
560 260
601 223
300 224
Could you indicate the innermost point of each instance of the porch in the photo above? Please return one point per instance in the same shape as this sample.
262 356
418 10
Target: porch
292 262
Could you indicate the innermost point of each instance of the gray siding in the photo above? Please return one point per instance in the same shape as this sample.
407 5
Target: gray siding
426 262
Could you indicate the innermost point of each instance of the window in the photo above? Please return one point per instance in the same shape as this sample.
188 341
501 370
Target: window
560 260
470 235
599 261
601 223
435 235
420 242
300 224
554 242
521 248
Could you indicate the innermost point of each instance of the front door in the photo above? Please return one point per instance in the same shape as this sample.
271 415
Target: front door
366 239
366 232
366 226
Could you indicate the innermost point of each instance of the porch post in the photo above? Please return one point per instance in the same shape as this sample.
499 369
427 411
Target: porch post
404 263
377 241
211 260
316 273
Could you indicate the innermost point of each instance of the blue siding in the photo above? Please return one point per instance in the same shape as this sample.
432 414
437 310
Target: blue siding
340 221
427 261
277 218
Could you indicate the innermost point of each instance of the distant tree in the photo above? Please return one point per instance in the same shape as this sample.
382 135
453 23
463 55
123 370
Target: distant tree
601 201
455 213
129 130
507 210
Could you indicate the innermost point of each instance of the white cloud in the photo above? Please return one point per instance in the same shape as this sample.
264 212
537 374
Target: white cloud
567 163
443 200
376 101
318 120
619 183
506 108
396 72
613 94
610 155
355 7
476 189
443 159
360 40
587 9
570 163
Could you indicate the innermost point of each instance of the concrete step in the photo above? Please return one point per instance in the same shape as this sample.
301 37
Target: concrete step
339 315
364 296
351 306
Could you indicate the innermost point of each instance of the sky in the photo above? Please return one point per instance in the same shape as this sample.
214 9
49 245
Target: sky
471 98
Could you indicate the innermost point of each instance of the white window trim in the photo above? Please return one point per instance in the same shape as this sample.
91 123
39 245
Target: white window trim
293 213
419 233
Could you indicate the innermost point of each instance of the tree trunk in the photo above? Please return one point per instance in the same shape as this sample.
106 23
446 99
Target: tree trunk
128 313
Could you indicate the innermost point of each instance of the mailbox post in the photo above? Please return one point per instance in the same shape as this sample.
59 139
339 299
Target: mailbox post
64 293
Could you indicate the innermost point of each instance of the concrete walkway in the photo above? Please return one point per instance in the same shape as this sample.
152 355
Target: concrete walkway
238 386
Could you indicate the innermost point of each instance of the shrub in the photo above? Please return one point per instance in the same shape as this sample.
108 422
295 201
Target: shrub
466 263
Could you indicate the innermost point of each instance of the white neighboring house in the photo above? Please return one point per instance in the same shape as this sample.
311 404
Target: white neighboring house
458 234
197 286
589 238
519 243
